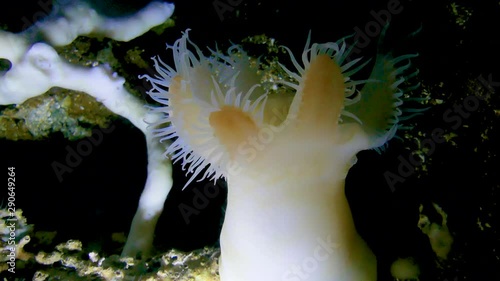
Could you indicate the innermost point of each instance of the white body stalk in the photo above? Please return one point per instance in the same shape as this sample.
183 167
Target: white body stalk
294 222
285 154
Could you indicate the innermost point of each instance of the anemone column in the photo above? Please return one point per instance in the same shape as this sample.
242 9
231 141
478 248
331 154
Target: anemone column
285 155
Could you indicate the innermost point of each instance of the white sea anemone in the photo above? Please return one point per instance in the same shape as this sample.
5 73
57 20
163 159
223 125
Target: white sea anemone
198 91
289 191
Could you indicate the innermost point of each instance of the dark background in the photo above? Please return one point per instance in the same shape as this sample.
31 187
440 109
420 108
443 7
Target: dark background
100 196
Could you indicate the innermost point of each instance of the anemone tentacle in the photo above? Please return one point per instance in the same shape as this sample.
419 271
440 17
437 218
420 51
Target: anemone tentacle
197 89
193 89
337 51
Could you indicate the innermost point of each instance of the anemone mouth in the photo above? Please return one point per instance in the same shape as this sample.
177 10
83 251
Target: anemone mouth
338 52
377 105
208 134
384 97
199 96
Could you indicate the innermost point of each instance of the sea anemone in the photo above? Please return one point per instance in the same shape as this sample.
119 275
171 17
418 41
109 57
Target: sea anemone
197 87
285 155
